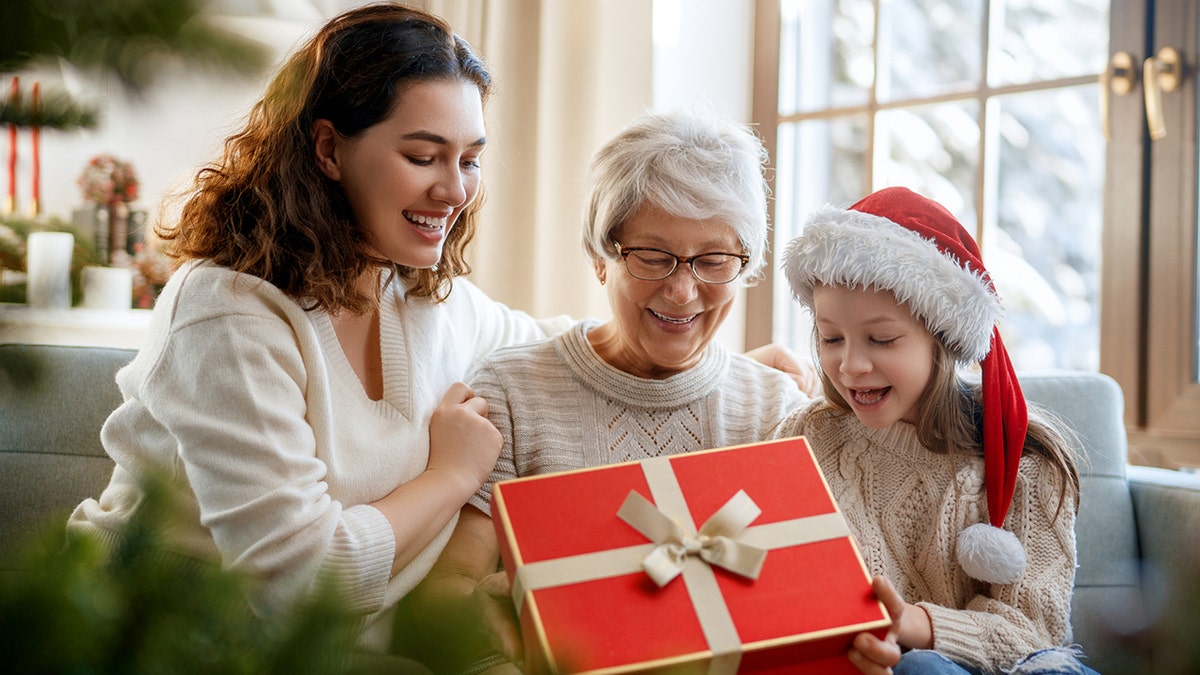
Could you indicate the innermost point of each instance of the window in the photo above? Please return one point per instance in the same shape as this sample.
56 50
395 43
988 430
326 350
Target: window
994 110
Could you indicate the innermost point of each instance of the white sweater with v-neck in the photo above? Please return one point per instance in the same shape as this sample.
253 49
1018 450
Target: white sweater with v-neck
247 405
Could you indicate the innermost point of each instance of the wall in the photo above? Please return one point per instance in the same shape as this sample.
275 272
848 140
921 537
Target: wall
702 50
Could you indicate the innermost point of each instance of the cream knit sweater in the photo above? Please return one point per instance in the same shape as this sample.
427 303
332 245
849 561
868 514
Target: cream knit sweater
559 406
246 403
906 506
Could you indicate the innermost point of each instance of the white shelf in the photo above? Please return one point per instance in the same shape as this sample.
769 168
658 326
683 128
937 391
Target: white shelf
76 326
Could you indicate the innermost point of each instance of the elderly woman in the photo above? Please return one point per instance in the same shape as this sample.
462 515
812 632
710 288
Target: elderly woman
676 223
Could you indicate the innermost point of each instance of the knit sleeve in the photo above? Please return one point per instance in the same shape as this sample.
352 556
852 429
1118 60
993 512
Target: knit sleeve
232 390
488 383
1003 623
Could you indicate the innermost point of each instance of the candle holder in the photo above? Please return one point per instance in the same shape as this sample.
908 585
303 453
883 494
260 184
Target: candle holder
118 233
111 184
16 235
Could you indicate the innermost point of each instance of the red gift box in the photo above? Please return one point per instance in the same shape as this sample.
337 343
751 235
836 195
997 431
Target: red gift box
758 571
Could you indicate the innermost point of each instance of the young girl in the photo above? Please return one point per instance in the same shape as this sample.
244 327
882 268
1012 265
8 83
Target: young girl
927 466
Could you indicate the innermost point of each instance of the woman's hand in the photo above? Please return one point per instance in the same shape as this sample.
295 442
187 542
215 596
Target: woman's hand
781 358
462 440
464 606
492 603
910 628
463 447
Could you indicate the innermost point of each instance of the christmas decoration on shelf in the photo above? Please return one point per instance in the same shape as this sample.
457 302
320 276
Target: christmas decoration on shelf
111 184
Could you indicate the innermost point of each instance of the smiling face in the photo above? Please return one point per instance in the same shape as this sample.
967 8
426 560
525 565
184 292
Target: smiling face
660 328
409 177
877 354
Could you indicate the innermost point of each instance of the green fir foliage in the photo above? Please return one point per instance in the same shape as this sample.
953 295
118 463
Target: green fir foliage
73 609
131 40
55 110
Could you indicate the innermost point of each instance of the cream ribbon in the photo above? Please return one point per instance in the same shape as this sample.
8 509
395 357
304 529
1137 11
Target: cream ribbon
729 526
716 542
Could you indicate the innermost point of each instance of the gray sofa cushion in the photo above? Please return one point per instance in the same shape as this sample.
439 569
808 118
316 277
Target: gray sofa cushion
50 450
1107 591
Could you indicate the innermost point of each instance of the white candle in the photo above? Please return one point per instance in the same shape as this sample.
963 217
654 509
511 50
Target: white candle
48 269
107 287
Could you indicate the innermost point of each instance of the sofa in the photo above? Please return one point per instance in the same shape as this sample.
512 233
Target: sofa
1138 529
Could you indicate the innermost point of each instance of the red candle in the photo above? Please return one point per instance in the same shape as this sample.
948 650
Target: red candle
12 150
36 165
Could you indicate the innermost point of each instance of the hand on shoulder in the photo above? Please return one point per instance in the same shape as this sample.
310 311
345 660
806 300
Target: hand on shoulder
781 358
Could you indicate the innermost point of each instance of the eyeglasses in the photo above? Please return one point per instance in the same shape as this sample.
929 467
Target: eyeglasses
652 264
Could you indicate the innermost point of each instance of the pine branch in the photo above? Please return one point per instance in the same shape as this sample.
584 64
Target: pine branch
55 110
131 39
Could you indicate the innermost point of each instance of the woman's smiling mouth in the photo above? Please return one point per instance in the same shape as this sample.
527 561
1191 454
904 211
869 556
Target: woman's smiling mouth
677 321
432 223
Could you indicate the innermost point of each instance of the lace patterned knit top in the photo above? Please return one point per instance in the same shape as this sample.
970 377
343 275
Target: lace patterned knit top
906 504
559 406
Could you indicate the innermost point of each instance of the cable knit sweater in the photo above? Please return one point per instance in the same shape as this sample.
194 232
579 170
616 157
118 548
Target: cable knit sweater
246 403
906 505
559 406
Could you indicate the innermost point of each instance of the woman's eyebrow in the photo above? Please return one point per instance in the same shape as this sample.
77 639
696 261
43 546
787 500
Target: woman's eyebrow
439 139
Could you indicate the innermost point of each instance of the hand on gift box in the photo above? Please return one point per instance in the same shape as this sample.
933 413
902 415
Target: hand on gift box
911 628
467 623
462 441
489 627
493 602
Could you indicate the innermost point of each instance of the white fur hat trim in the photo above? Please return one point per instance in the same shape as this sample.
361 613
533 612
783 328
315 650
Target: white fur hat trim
851 248
991 554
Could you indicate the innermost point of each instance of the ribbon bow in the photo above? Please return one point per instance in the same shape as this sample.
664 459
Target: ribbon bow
716 542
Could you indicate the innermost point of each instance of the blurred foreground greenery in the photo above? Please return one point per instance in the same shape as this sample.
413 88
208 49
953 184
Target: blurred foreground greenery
74 609
132 40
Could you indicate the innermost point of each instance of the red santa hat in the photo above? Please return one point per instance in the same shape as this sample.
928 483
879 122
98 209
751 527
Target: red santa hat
899 241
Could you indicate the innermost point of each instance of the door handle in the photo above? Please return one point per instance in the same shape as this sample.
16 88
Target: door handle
1160 73
1118 80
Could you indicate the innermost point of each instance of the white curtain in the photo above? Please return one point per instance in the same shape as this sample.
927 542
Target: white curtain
568 75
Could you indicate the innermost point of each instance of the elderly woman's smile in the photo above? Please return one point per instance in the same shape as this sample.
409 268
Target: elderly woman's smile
664 314
683 320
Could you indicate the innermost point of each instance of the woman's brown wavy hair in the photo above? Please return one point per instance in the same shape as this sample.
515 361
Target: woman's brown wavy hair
266 209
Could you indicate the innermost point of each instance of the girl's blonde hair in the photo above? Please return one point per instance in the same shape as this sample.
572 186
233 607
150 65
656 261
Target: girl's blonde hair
950 420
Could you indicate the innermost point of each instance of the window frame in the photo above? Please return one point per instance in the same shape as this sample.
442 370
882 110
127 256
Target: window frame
1153 295
1148 300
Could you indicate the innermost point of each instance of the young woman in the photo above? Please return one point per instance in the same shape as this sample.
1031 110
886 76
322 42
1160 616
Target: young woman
300 389
927 465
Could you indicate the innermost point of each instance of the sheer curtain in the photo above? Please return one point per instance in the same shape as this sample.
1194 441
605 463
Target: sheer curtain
568 75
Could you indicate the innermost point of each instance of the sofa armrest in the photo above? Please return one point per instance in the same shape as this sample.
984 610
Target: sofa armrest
1166 505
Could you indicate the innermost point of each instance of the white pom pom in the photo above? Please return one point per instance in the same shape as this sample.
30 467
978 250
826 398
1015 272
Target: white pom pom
991 554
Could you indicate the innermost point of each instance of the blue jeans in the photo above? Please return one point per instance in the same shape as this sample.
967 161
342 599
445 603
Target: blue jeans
1045 662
